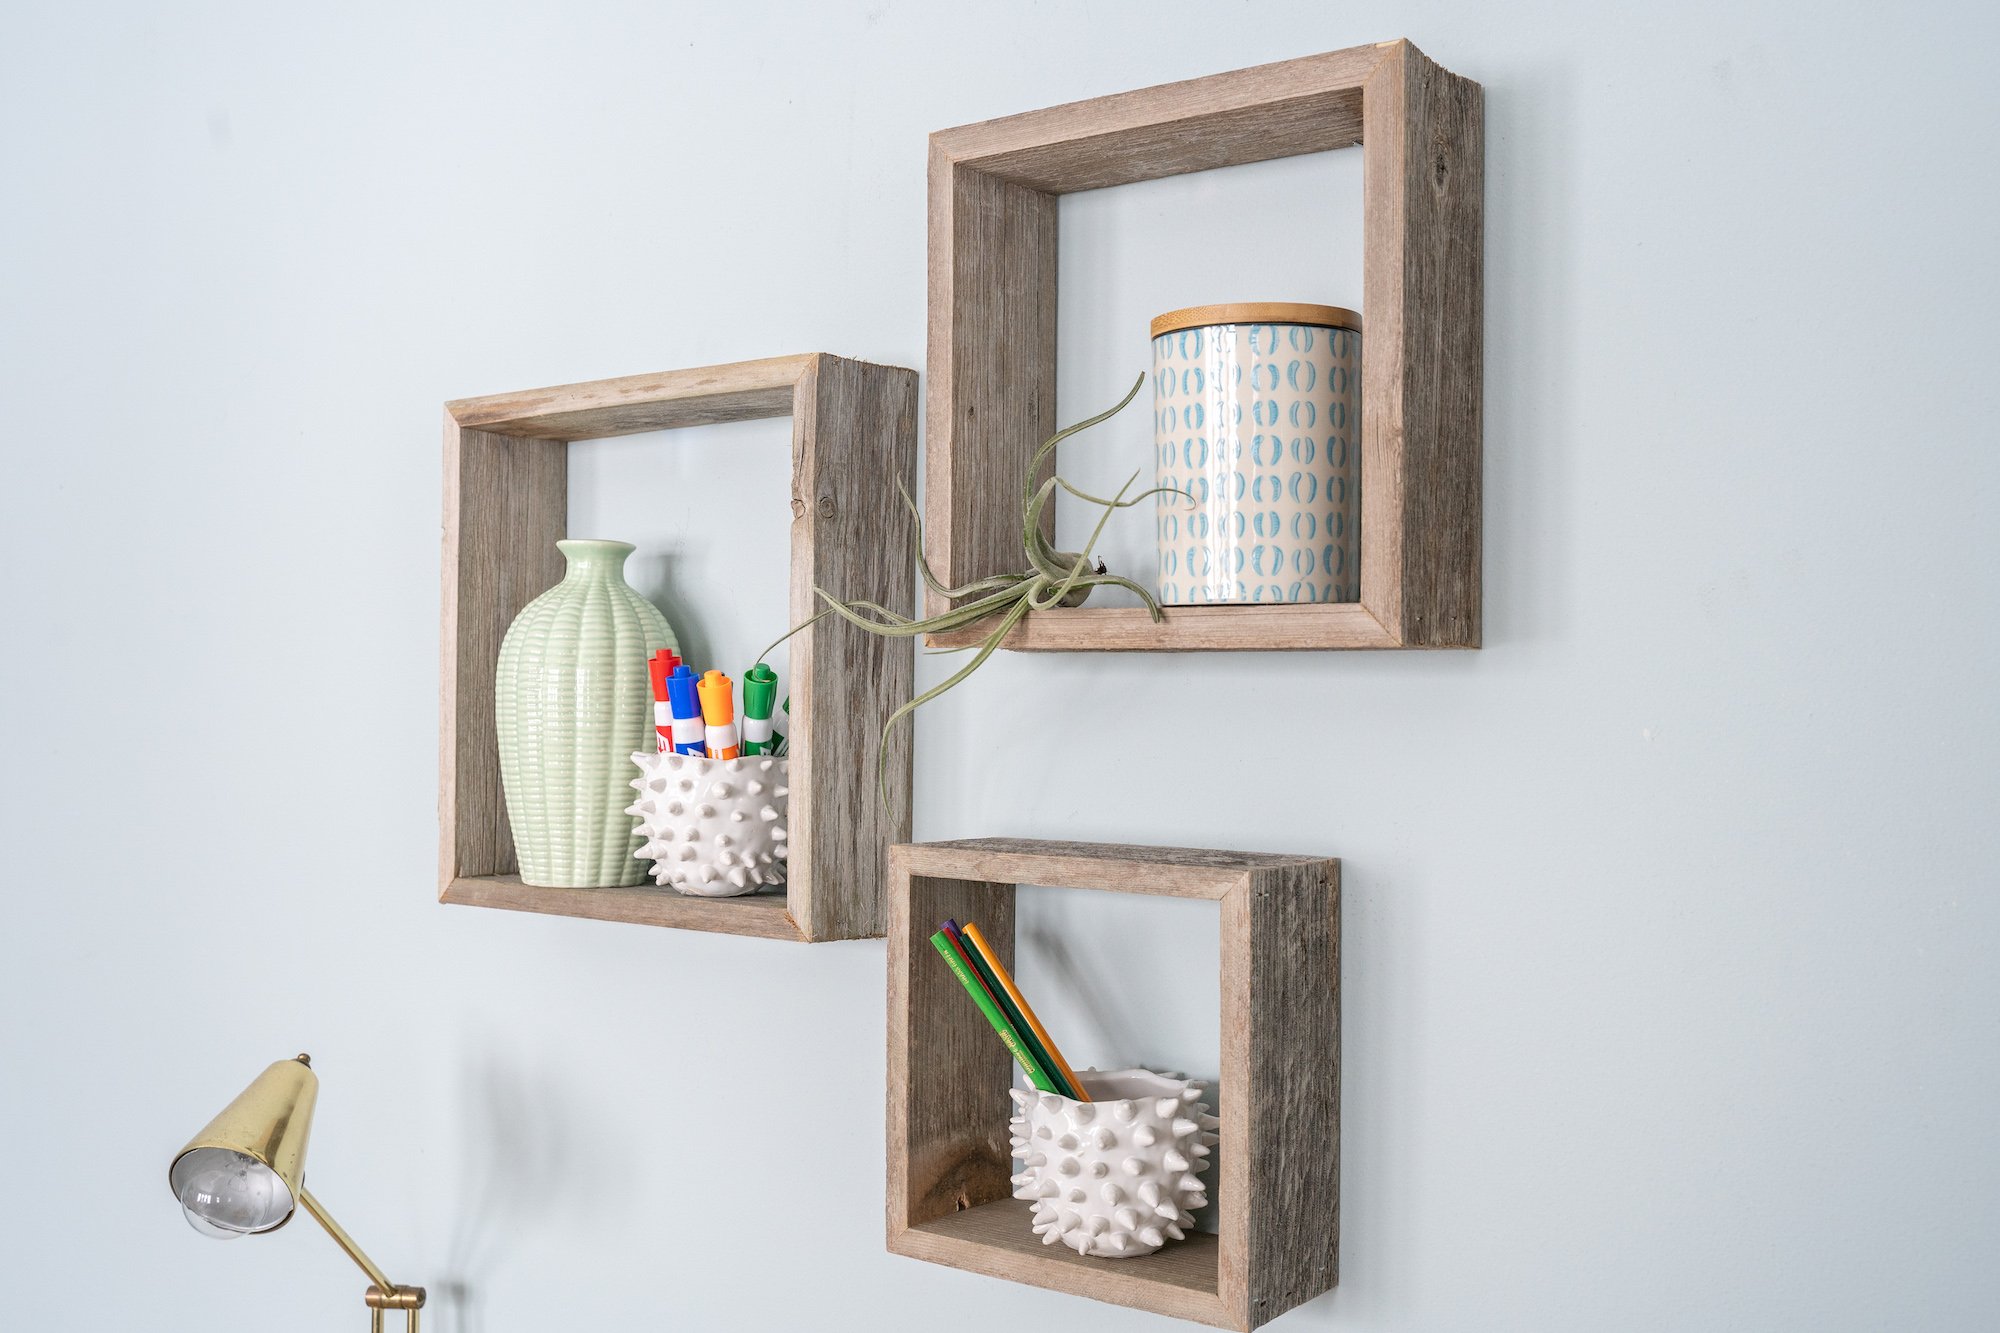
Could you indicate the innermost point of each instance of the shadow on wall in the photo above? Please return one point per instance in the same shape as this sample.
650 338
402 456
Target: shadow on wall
521 1167
1532 428
653 576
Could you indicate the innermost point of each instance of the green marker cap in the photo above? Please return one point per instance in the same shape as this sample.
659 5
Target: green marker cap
760 691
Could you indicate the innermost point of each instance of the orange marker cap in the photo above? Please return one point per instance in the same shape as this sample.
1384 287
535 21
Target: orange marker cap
718 701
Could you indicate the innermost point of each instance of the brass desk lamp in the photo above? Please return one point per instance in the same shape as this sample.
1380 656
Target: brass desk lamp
244 1173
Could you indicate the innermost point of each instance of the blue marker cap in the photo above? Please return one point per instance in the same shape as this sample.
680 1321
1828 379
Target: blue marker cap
681 697
684 703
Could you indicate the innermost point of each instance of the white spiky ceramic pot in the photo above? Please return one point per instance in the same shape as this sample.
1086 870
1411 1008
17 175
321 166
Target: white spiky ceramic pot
1117 1176
713 827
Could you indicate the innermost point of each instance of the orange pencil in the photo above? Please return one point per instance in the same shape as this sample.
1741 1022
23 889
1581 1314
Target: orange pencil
972 932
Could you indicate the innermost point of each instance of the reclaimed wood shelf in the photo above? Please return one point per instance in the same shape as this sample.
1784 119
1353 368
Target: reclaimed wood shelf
994 190
1277 1172
505 507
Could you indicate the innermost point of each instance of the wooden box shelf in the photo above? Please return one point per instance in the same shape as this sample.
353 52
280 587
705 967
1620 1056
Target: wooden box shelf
1277 1172
505 507
994 190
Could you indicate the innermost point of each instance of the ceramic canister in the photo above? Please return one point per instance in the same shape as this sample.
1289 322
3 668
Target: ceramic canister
1256 423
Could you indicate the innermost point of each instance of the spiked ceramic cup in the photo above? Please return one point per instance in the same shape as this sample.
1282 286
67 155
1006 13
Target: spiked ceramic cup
712 827
1117 1176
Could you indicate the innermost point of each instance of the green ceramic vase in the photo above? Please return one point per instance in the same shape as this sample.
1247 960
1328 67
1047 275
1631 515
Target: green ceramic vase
573 702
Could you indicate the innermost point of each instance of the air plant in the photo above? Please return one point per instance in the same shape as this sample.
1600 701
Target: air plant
1053 578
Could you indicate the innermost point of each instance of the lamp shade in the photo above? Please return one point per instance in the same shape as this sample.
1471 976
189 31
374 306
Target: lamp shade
242 1173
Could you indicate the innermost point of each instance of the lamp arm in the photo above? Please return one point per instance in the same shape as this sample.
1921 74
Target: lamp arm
345 1241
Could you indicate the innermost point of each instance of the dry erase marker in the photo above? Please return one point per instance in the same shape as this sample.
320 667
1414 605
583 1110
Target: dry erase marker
690 737
718 710
657 667
672 660
760 695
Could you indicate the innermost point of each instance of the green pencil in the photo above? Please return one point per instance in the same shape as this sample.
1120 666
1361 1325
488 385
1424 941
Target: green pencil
977 990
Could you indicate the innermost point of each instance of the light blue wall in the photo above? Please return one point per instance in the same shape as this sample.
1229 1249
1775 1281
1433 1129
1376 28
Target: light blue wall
1670 917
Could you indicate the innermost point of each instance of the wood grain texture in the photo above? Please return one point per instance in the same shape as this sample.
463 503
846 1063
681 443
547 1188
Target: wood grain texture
1177 872
1280 1151
993 295
761 914
506 504
1421 377
665 400
995 1239
854 436
1278 1181
1187 629
854 439
948 1148
992 366
1308 105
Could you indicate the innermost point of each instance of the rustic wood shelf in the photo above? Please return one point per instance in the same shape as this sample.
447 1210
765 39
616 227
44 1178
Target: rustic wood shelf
994 189
505 507
1277 1173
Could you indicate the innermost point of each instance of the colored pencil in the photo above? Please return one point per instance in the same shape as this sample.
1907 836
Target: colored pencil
980 964
992 988
978 940
977 990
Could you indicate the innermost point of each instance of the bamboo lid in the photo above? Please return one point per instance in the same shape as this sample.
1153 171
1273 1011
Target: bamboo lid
1258 312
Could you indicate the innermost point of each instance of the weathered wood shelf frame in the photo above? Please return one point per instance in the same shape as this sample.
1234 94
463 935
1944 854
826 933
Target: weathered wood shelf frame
1278 1164
992 340
505 507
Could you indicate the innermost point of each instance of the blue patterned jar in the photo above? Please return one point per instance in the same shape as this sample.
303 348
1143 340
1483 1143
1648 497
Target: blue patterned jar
1257 428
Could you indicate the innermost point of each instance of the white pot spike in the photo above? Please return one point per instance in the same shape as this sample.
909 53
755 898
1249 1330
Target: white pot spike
1118 1176
712 827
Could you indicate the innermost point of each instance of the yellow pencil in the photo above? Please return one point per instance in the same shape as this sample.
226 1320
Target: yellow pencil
972 933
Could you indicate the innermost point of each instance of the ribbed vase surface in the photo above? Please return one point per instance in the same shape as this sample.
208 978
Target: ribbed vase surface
572 702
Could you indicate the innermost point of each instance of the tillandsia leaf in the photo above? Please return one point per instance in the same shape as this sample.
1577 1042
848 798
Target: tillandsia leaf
1058 564
1080 592
985 587
1055 566
955 618
1083 558
1145 595
887 616
807 623
1035 463
1123 504
986 649
1041 554
1050 563
850 610
1047 561
982 587
931 579
1054 578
